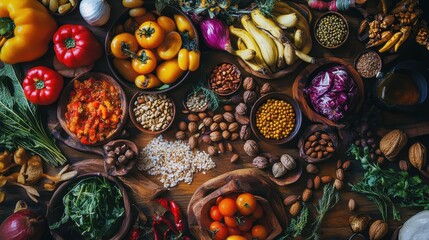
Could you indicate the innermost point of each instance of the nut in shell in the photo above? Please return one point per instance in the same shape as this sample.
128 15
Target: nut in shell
295 208
207 121
233 127
245 132
193 118
241 109
278 170
251 148
312 169
352 204
215 136
338 184
192 127
249 97
378 230
418 155
226 134
218 118
288 162
260 162
229 117
180 135
193 142
214 126
358 223
248 83
392 143
183 126
266 88
403 166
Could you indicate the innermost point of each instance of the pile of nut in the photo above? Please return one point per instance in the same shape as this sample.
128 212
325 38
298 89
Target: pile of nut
225 79
422 37
118 156
59 6
154 112
287 163
319 145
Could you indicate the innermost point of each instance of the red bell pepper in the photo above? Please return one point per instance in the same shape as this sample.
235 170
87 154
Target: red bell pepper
42 85
76 46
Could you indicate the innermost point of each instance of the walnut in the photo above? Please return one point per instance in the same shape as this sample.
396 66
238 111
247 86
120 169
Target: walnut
248 83
266 88
417 155
288 162
279 170
392 143
249 97
260 162
228 117
245 132
241 109
251 148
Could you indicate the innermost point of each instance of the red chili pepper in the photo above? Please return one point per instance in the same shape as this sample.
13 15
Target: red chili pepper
135 234
178 218
163 202
42 85
155 232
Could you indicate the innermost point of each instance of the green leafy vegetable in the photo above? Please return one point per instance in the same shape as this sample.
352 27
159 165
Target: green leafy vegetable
21 123
329 199
296 225
92 207
386 186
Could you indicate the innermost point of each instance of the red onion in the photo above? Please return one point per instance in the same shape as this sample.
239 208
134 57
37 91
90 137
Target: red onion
23 224
215 34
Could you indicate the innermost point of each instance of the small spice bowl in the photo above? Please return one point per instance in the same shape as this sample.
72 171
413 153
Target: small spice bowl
319 139
145 109
368 64
194 101
69 8
120 156
225 79
324 31
283 98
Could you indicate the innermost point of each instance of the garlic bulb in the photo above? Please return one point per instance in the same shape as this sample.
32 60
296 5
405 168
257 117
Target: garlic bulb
95 12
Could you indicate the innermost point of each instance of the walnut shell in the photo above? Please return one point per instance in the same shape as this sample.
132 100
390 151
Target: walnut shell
279 170
249 97
417 155
266 88
288 162
251 148
392 143
241 109
260 162
378 230
248 83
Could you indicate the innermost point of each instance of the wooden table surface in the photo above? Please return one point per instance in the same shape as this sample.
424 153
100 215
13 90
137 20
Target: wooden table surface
335 224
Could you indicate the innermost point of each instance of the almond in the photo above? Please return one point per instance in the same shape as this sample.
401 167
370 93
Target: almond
339 163
338 184
291 199
234 158
221 147
306 195
193 118
211 151
230 147
346 165
340 174
352 204
316 181
310 183
326 179
193 142
295 208
312 169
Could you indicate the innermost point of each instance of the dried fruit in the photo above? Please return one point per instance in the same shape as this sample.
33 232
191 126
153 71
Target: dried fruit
291 199
288 162
358 223
278 170
418 155
352 204
312 169
378 230
234 158
295 209
180 135
392 143
306 195
241 109
248 83
260 162
251 148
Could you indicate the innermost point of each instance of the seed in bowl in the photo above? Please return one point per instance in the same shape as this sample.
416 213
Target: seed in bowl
153 112
368 64
275 119
225 79
196 102
331 30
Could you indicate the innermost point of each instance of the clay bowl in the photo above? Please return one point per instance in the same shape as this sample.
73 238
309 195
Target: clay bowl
289 178
316 25
64 99
169 11
55 209
138 125
112 169
308 132
306 76
269 220
278 96
189 93
235 68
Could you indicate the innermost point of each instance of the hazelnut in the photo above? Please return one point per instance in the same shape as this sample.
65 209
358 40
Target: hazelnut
251 148
183 126
260 162
249 97
241 109
248 83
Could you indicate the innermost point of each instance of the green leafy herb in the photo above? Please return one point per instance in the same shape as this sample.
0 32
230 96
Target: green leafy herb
209 94
296 225
266 6
92 207
329 199
21 124
386 186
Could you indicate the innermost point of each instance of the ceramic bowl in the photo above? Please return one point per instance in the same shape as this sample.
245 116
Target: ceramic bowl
65 98
278 96
316 25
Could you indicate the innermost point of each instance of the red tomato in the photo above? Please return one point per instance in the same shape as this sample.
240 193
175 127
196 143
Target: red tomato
215 214
227 207
218 199
219 230
246 203
245 224
259 211
259 232
231 221
233 231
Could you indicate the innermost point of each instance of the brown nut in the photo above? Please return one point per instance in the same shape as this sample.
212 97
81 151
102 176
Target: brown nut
306 195
183 126
193 118
248 83
260 162
338 184
241 119
211 151
245 132
278 170
317 182
288 162
215 136
392 143
217 118
346 165
192 127
310 183
221 147
418 155
214 126
340 174
206 139
312 169
358 223
234 158
378 230
326 179
229 147
403 166
180 135
193 142
226 134
233 127
234 136
223 126
352 204
295 208
227 108
241 109
207 121
251 148
249 97
291 199
266 88
229 117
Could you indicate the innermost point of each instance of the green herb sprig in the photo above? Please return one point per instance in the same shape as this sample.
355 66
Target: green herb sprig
296 225
21 123
387 187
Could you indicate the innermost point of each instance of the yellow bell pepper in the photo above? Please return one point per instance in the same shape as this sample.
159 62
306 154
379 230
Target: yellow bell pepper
26 28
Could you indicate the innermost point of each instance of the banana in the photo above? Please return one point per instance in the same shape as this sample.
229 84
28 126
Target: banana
299 39
250 44
286 21
268 24
250 63
304 57
265 43
289 54
245 54
280 47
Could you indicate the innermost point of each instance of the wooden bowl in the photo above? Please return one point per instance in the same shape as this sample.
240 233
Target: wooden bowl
289 178
308 132
55 208
269 220
65 97
169 11
377 56
229 93
138 125
307 75
278 96
184 99
112 170
323 16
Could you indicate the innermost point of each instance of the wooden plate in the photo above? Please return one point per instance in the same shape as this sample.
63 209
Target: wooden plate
65 97
290 177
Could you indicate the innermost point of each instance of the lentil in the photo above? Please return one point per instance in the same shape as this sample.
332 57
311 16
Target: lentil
225 79
368 64
154 112
331 31
275 119
196 102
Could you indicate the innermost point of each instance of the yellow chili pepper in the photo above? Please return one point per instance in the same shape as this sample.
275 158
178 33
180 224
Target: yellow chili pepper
392 41
406 30
28 28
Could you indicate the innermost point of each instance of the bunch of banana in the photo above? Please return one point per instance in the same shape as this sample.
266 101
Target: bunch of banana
277 41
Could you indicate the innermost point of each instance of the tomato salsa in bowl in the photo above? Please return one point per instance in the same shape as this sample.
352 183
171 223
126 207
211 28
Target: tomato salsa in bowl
92 109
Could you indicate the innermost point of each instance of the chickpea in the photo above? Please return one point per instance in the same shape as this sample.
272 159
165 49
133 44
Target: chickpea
275 119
